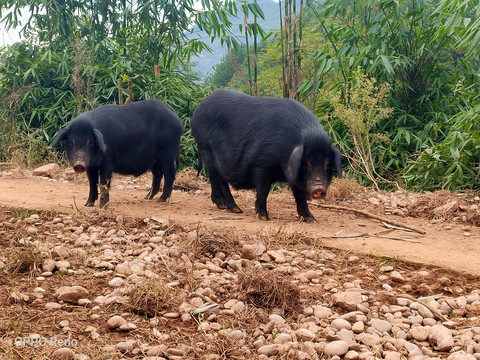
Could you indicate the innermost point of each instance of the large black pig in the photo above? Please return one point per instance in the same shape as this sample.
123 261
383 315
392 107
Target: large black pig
251 142
129 139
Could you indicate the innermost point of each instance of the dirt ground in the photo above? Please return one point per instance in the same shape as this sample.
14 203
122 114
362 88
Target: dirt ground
450 241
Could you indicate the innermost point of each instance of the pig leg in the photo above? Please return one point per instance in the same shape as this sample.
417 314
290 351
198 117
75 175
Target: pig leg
215 178
169 173
157 174
221 195
228 198
262 187
302 206
92 175
105 179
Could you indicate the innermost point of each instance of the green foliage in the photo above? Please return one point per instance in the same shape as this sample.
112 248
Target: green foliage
452 162
76 51
360 109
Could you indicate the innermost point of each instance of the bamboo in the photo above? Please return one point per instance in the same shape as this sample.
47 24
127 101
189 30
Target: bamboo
120 91
255 50
248 51
283 50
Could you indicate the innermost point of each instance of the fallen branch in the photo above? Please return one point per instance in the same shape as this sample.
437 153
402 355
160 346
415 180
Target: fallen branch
336 236
373 216
399 238
224 218
437 314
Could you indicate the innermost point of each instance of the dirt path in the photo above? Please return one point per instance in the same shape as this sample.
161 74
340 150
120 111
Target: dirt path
446 248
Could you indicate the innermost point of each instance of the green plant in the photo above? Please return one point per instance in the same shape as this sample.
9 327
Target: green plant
361 108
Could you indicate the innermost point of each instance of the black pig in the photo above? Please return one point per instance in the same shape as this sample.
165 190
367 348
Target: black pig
251 142
129 139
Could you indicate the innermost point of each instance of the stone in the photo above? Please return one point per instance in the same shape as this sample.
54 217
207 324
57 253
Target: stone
348 300
337 348
50 170
60 252
382 326
63 354
248 252
237 334
419 333
52 306
440 337
460 355
397 277
340 324
270 350
424 311
305 335
126 346
321 312
116 282
49 265
392 355
276 319
71 293
351 355
115 322
358 327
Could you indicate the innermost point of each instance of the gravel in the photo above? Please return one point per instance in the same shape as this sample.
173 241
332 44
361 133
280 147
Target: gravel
350 307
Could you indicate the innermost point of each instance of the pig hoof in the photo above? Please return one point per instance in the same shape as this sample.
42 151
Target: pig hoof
235 209
221 206
308 219
89 203
263 217
161 199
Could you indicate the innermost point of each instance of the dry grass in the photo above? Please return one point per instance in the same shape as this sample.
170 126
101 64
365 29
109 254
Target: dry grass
23 261
285 235
210 242
187 180
344 189
442 205
268 290
153 297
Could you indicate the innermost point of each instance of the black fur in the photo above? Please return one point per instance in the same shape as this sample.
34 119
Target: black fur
252 142
129 139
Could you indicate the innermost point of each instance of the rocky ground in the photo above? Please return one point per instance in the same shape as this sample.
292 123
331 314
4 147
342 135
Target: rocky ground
93 286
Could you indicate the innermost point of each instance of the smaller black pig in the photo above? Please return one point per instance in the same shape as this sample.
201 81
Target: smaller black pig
251 142
129 139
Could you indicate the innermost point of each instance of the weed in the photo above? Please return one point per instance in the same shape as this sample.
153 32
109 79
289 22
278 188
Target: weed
153 297
268 289
23 260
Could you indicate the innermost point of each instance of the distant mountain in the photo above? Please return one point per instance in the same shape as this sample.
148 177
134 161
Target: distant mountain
206 61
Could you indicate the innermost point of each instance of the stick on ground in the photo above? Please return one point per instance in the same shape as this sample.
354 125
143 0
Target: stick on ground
373 216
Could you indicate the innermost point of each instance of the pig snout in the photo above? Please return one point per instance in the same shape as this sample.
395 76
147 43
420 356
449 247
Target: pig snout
318 190
79 166
319 193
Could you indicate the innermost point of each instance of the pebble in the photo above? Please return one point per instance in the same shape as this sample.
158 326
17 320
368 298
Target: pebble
71 293
115 322
63 354
305 335
270 350
351 319
337 348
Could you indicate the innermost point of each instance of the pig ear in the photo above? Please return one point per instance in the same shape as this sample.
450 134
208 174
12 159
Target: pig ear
294 164
100 142
62 134
337 160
